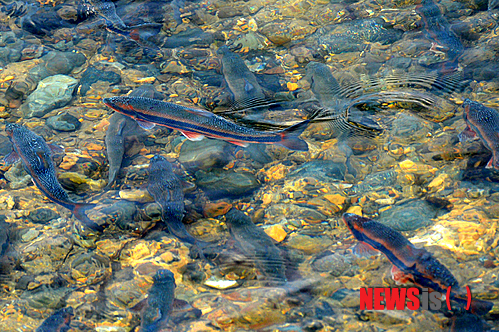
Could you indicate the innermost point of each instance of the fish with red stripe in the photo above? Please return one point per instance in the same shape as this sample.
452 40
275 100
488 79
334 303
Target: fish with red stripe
482 122
409 263
36 156
196 124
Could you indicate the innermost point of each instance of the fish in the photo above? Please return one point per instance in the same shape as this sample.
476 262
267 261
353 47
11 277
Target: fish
467 323
139 33
257 245
195 124
409 263
58 322
438 30
115 146
36 156
343 119
166 189
482 122
156 308
323 84
241 81
124 132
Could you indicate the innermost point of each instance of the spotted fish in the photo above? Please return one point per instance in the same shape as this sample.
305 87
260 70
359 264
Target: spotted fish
343 119
482 122
410 263
439 32
123 132
36 157
196 124
257 245
138 33
167 191
58 322
241 81
156 308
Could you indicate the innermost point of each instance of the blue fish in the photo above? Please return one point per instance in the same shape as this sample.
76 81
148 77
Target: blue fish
58 322
482 122
409 263
156 308
36 156
258 246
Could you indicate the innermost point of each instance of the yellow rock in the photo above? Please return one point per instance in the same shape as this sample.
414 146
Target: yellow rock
68 161
136 195
437 182
276 232
145 80
407 165
267 199
6 201
292 86
276 172
355 209
336 199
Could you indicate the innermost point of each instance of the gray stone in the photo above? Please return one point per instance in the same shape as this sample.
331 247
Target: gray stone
64 122
220 183
53 92
335 264
42 215
17 176
409 216
205 154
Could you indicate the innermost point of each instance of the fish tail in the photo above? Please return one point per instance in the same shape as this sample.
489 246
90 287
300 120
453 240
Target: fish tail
113 175
79 212
477 306
290 137
480 307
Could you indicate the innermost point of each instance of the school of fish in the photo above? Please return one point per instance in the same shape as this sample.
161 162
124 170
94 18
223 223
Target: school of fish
144 108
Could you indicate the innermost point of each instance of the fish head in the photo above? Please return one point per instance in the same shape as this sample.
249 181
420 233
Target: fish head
223 50
159 163
67 313
122 105
474 111
10 128
164 275
355 224
236 218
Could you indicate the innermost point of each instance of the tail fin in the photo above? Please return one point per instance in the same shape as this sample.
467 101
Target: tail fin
477 306
79 212
481 307
290 139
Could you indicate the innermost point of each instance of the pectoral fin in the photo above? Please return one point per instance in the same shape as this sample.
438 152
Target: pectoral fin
191 136
145 124
11 158
364 250
55 148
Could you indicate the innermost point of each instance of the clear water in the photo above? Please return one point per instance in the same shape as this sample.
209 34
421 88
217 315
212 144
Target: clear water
382 84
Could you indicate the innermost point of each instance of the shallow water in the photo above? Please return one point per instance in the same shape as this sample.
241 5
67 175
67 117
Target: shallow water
383 84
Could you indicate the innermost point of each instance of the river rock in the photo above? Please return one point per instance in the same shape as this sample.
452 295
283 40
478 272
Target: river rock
205 154
42 215
322 170
220 183
64 122
53 92
333 263
17 176
409 216
92 75
10 47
